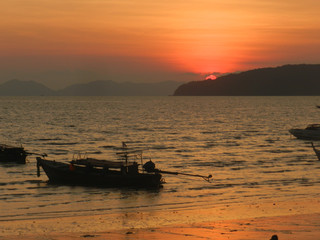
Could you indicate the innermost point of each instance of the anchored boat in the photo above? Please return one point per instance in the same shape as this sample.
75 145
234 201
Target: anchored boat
311 132
12 154
127 172
95 172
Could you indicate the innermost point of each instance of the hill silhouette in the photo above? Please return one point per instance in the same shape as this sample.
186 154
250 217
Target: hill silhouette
97 88
17 87
111 88
288 80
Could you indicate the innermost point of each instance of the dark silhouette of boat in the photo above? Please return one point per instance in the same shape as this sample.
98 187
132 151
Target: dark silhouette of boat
128 171
311 132
12 154
103 173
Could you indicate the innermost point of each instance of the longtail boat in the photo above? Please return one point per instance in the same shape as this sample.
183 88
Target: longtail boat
311 132
128 171
104 173
12 154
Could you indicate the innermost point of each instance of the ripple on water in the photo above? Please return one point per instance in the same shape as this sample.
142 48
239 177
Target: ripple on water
247 149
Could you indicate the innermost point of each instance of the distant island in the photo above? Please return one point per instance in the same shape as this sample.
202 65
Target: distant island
96 88
287 80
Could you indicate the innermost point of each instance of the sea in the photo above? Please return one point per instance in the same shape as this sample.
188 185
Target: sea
243 142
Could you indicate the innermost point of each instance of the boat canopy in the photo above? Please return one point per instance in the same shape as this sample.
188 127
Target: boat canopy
102 163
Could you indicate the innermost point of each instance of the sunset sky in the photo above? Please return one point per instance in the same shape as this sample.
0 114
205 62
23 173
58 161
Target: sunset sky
60 42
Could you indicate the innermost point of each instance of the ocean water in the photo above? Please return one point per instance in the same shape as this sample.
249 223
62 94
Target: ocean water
242 141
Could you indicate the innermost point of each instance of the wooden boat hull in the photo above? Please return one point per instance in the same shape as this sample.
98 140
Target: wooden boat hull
305 134
12 154
67 174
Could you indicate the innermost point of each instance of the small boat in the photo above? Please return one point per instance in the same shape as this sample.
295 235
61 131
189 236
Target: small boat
316 151
102 173
12 154
311 132
125 172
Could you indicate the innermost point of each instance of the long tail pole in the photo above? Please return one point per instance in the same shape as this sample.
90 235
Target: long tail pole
207 178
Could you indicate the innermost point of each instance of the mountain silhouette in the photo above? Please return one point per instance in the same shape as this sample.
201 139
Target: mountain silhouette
17 87
111 88
95 88
288 80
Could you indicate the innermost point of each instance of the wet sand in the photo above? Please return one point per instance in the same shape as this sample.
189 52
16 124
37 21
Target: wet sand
296 219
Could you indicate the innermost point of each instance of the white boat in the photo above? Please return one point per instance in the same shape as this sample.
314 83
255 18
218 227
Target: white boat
311 132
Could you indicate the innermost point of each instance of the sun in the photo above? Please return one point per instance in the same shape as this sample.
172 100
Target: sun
211 77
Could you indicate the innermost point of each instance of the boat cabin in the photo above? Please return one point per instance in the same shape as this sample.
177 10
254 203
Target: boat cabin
127 162
129 167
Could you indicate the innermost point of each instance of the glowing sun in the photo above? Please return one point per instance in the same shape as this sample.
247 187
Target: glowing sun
211 77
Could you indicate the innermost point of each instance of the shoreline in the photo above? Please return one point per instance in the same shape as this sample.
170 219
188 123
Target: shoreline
296 219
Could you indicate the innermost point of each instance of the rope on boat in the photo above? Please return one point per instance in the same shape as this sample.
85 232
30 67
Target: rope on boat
38 166
317 152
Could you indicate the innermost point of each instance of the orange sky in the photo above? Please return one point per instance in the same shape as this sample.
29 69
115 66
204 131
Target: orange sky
81 40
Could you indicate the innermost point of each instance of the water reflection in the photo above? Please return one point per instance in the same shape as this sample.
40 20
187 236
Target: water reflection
243 141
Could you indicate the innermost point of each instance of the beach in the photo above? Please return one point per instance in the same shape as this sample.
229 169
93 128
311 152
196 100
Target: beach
296 219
